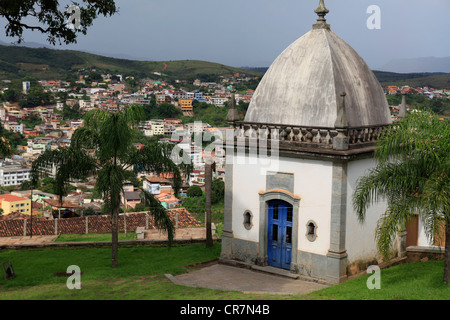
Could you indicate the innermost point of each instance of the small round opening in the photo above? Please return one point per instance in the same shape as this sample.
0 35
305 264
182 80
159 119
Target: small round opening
248 217
311 231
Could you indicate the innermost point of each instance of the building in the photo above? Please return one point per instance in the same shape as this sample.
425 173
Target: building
14 126
321 109
157 127
186 105
10 204
130 199
199 96
162 98
13 174
156 185
25 86
167 200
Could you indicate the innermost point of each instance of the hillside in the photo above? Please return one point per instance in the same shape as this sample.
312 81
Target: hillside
43 63
437 81
434 80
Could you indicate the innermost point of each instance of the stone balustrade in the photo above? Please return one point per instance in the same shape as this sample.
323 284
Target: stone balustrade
308 136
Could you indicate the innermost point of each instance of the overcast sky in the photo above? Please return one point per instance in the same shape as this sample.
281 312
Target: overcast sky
254 32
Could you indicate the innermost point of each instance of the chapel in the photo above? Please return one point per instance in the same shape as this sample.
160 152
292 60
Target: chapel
308 135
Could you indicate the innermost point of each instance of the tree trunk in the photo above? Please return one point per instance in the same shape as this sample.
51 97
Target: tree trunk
447 252
115 236
208 190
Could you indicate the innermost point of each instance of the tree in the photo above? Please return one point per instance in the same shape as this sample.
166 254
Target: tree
412 174
51 19
9 141
208 192
35 97
218 191
104 146
5 146
167 110
26 185
89 212
194 192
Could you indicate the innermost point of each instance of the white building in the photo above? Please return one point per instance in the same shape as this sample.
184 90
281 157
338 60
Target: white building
13 174
14 126
158 127
308 135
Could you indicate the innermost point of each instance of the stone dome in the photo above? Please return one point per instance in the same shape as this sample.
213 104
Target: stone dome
304 84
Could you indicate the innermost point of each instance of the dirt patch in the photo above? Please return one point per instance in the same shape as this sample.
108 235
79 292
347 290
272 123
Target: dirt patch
201 264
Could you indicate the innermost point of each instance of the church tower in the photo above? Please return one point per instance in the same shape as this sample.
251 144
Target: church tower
308 135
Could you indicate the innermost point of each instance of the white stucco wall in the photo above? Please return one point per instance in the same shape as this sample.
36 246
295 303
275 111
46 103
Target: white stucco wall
360 238
423 240
312 182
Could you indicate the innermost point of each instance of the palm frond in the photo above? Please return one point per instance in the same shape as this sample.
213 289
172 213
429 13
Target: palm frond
160 215
412 174
155 158
70 164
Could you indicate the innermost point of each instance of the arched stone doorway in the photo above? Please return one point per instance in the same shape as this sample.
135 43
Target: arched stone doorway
279 229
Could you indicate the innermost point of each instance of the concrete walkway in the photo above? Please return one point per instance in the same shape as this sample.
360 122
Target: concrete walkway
225 277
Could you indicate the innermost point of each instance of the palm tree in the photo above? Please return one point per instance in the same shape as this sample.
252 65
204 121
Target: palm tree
104 146
208 187
412 174
5 147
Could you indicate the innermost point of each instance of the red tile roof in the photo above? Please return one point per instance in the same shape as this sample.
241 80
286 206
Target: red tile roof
11 198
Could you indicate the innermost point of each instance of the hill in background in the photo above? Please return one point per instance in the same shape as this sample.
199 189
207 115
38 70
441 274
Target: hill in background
437 80
17 62
432 80
43 63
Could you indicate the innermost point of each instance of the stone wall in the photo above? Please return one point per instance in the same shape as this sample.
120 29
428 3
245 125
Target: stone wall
91 224
417 253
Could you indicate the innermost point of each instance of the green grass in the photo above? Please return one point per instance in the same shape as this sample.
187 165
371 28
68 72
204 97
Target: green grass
94 237
412 281
140 275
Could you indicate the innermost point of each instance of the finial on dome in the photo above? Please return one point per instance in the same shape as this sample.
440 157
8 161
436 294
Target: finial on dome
321 12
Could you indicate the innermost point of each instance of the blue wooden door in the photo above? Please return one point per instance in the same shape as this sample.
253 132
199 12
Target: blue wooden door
279 234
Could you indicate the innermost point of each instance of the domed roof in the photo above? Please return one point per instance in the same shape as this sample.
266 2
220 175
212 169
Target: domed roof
304 84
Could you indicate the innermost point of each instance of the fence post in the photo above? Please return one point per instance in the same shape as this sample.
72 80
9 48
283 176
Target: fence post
125 223
24 227
87 224
56 227
176 219
146 222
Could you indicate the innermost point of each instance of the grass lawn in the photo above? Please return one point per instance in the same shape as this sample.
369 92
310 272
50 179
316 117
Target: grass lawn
140 275
412 281
94 237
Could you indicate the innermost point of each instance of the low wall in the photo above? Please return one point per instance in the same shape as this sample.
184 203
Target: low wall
91 224
414 253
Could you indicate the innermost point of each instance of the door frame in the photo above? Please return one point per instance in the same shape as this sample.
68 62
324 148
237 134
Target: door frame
264 198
